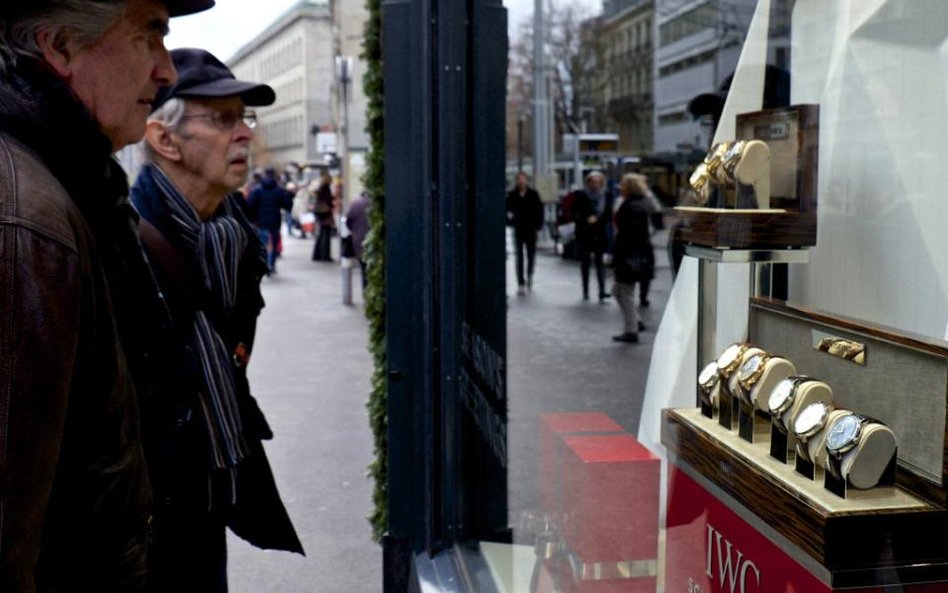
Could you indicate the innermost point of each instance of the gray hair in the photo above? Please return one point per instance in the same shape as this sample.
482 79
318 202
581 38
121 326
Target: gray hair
595 175
170 114
82 23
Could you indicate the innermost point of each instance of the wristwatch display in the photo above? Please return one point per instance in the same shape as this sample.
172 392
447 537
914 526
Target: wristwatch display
751 372
811 420
730 359
844 434
708 381
699 181
782 397
725 173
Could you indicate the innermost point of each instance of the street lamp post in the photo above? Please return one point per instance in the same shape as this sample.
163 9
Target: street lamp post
344 76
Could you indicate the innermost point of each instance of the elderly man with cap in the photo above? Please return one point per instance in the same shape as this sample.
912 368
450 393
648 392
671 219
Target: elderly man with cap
77 78
202 428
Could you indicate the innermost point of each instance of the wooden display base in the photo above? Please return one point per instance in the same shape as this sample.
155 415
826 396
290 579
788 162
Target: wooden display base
725 228
858 540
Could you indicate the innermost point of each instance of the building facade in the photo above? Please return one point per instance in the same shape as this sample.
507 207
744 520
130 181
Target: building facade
697 45
296 55
626 97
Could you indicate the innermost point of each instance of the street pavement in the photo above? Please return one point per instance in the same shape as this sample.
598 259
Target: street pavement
310 372
311 369
561 358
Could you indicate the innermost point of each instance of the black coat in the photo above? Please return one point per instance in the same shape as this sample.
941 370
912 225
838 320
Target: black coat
524 213
176 439
265 202
632 253
594 236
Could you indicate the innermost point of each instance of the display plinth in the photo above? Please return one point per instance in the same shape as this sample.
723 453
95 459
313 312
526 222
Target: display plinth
869 539
553 428
723 228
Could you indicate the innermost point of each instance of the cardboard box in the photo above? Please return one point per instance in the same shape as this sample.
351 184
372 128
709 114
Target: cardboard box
553 427
609 504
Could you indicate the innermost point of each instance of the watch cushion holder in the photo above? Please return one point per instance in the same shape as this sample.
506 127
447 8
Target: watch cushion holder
865 464
871 537
776 369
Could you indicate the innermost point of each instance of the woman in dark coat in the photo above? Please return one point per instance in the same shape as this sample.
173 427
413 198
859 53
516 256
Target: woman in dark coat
324 218
632 254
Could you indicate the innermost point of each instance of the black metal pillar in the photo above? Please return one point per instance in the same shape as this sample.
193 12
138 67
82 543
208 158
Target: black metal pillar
444 69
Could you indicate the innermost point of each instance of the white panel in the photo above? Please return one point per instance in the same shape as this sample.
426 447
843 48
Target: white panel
881 85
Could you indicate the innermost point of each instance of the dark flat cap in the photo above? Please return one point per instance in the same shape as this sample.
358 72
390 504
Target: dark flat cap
200 74
183 7
14 9
776 93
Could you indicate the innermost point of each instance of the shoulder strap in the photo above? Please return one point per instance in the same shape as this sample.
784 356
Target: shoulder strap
167 257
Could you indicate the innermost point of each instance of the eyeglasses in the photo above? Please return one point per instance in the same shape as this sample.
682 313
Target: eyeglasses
226 121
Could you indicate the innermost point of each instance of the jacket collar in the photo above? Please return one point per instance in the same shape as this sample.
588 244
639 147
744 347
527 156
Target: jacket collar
39 110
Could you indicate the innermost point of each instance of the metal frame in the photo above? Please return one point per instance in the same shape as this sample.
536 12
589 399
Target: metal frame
444 74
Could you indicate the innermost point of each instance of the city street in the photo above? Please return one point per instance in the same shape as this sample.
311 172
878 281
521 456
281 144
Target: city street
310 371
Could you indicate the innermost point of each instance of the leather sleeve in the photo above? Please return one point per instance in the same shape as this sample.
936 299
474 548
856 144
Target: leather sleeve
39 313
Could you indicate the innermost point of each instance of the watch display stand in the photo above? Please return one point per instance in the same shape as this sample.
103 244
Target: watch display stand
791 135
745 422
859 530
727 406
805 467
779 444
840 485
706 409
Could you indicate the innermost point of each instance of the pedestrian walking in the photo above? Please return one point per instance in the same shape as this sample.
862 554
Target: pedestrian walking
202 427
76 79
592 212
357 221
525 216
632 255
266 201
324 218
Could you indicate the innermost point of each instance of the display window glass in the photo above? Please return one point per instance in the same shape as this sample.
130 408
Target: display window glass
779 422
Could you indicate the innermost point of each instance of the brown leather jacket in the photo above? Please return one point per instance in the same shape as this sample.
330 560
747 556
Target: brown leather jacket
74 496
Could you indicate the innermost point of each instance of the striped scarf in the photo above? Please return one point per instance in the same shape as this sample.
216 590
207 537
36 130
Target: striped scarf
218 244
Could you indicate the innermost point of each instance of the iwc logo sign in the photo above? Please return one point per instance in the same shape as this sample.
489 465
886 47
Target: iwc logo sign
727 565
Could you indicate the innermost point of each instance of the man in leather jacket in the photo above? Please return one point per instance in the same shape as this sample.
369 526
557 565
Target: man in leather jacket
202 428
76 80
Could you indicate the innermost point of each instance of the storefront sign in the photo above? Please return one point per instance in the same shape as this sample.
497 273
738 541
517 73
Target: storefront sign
712 550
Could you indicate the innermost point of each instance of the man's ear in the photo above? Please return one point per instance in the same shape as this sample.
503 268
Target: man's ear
57 51
162 141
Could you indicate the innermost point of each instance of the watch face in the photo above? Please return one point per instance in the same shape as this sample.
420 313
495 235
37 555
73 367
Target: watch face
729 355
750 367
780 395
810 418
708 373
842 433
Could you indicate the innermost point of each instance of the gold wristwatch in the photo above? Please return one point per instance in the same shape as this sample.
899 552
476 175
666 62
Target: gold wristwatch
731 358
750 373
709 379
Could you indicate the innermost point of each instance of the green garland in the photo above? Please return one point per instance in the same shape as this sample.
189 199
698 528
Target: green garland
374 181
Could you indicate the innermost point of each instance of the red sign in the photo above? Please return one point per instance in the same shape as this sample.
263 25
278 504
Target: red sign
712 550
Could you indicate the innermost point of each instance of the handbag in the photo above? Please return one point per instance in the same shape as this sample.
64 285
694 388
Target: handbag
632 268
